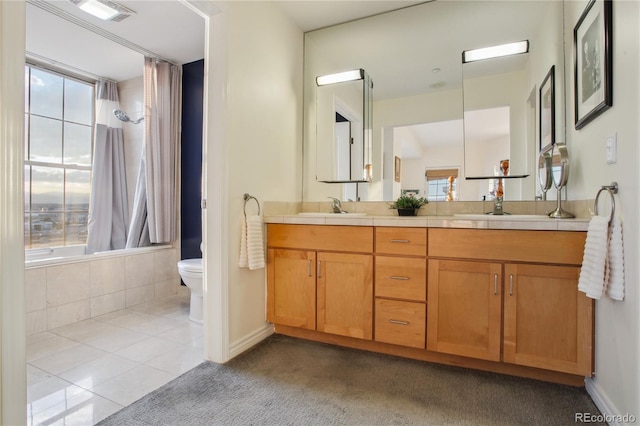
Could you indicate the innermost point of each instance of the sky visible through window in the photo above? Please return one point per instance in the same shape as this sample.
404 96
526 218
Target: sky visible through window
58 154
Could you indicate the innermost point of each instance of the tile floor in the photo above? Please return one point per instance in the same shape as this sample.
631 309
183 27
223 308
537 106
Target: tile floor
81 373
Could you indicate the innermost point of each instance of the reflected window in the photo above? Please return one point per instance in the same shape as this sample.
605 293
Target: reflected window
441 184
59 128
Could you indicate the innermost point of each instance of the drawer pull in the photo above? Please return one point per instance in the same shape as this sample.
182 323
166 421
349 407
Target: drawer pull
398 277
400 241
319 270
511 285
309 268
495 284
392 321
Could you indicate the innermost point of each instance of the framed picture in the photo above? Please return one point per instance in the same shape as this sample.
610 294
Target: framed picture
592 49
548 110
396 169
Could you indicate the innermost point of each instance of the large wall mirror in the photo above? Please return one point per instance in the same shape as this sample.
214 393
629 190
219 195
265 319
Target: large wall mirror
414 58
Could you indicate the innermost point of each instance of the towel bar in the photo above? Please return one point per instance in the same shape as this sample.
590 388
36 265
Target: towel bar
612 190
248 197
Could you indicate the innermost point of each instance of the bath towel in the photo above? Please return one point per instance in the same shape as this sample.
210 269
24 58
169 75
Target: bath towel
615 262
592 273
251 243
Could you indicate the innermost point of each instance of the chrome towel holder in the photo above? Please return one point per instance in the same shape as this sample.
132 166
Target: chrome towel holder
612 190
248 197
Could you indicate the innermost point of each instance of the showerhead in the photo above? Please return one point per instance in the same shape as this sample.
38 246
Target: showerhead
122 116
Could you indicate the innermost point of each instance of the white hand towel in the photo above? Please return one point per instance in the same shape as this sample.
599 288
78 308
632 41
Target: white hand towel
592 274
243 262
251 243
255 245
615 262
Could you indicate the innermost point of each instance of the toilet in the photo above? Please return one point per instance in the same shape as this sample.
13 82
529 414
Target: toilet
191 273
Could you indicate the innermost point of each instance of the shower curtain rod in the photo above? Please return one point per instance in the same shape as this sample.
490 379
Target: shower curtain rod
40 61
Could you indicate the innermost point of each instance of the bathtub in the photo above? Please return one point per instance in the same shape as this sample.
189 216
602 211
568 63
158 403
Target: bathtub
64 285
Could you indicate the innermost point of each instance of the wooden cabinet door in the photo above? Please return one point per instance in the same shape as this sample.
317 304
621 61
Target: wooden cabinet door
464 308
345 294
548 323
291 288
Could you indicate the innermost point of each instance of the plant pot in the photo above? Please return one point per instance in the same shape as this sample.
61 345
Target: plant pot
407 212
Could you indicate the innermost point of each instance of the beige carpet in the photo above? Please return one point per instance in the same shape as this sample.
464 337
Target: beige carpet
287 381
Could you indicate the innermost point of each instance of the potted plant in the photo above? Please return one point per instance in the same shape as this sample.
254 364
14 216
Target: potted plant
408 205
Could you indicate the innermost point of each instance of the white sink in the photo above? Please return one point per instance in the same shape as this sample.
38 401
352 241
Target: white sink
502 217
322 214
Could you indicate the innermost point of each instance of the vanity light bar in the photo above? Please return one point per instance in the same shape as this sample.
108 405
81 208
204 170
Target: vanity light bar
495 51
340 77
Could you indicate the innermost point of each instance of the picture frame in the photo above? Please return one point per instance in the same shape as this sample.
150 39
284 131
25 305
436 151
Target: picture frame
396 169
592 55
547 104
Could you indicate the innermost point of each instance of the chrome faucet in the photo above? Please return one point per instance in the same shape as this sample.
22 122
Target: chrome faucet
336 205
497 206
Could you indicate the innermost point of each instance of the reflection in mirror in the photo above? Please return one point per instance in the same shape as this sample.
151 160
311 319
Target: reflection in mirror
418 77
545 179
560 174
343 128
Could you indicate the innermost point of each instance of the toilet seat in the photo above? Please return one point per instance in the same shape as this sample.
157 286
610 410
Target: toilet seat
191 265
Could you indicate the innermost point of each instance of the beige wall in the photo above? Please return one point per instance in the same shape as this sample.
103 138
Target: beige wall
617 323
254 145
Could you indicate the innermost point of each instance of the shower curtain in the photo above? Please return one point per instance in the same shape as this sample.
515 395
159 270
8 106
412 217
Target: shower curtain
108 209
155 206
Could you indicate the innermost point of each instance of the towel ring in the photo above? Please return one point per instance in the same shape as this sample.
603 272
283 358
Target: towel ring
248 197
612 190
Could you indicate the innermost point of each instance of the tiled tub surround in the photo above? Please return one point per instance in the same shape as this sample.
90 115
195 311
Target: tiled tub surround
64 291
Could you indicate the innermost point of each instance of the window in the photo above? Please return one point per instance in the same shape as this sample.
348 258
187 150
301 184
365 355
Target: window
438 187
58 153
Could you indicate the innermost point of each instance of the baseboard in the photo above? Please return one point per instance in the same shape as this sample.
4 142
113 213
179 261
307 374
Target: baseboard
609 411
250 340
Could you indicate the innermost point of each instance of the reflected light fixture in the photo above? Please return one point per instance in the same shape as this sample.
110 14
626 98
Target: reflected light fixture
104 9
495 51
340 77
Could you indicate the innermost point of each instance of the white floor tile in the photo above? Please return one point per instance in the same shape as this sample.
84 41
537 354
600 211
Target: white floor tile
93 373
133 385
81 373
67 359
186 334
82 410
148 349
48 393
44 348
179 360
116 339
36 375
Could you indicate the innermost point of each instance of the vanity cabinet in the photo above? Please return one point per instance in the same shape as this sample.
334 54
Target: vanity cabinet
400 286
465 308
510 294
321 278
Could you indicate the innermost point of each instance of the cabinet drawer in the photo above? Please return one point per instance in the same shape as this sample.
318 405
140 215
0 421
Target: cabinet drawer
400 323
321 237
560 247
401 278
405 241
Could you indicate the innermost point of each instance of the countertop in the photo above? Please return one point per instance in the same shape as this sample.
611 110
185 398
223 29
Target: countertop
507 222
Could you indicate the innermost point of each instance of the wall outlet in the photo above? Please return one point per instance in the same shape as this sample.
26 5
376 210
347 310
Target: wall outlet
612 149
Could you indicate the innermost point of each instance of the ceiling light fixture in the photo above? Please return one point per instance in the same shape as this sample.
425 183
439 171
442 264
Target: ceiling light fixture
104 9
340 77
495 51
